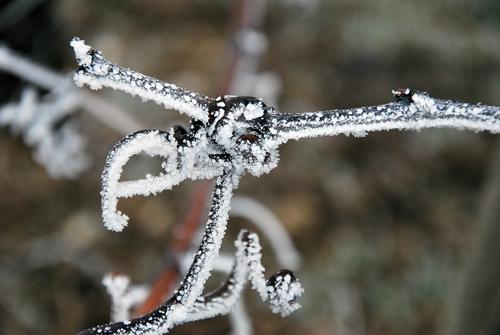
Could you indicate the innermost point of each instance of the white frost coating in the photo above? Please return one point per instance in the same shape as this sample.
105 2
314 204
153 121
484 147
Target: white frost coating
123 296
281 291
253 111
82 51
97 72
273 229
418 111
194 282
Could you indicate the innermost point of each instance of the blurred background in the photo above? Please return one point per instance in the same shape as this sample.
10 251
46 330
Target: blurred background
397 231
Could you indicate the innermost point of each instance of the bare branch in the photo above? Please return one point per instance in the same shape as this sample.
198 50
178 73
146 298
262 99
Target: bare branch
175 311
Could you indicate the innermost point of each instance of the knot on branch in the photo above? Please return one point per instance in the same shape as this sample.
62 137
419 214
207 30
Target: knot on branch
240 128
283 290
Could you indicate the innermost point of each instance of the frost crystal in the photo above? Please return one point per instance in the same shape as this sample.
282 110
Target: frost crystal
228 137
81 51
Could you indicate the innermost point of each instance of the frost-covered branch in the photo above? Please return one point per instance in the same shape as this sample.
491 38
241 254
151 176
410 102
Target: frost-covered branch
231 136
280 291
96 72
411 111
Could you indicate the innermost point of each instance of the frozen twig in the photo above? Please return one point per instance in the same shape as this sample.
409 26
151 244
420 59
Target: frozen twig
412 110
96 72
229 137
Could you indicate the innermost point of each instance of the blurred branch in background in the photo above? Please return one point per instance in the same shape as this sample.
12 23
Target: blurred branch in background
45 122
475 309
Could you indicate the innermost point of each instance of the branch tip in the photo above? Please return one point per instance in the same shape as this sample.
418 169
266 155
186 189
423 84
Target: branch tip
82 51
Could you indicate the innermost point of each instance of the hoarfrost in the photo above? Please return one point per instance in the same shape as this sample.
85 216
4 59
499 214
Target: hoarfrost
229 137
81 51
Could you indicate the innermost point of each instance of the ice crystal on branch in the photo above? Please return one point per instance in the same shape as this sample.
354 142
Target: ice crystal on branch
228 137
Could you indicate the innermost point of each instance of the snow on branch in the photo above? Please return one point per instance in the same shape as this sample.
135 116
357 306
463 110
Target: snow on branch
280 291
231 136
228 298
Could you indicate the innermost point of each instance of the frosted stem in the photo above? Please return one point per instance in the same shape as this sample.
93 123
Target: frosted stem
193 283
176 310
153 143
280 291
412 110
96 72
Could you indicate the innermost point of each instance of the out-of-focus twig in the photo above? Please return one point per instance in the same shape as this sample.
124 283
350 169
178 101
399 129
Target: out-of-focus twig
475 309
41 76
273 229
347 310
